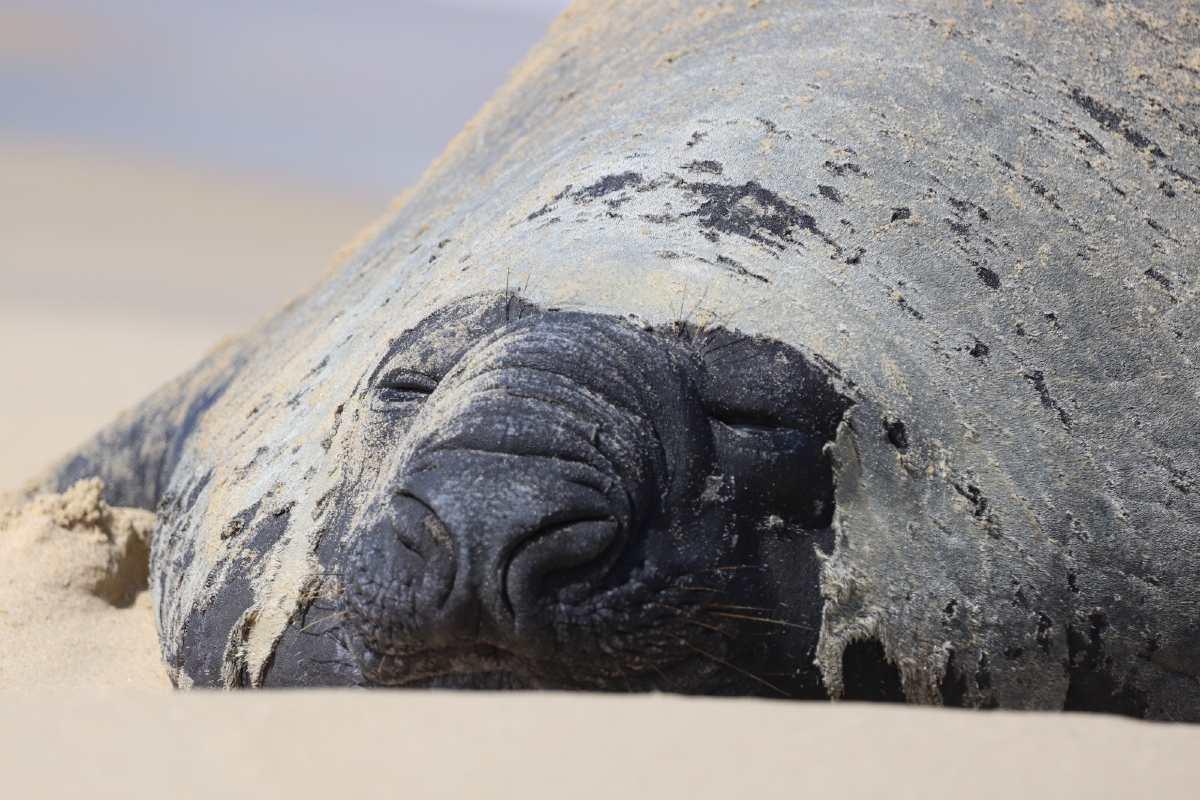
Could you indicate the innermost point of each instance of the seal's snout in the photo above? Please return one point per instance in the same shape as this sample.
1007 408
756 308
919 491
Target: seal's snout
568 500
483 548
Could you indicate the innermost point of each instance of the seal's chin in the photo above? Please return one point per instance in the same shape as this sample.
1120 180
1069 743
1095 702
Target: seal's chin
485 667
475 681
480 666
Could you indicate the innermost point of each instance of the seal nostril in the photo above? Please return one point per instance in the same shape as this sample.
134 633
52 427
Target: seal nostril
431 524
420 530
403 572
555 557
418 527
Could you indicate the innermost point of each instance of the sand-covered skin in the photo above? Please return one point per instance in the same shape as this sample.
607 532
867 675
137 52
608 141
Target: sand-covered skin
74 610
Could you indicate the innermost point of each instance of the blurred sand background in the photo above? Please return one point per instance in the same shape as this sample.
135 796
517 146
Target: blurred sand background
168 175
170 172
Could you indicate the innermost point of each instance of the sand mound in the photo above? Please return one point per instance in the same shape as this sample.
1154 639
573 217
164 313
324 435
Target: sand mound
73 607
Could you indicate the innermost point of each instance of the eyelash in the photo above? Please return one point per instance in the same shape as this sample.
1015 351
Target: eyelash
401 387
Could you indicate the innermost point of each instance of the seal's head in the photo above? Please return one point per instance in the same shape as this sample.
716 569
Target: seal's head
554 499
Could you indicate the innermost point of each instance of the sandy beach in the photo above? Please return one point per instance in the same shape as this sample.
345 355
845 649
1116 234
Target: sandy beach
117 275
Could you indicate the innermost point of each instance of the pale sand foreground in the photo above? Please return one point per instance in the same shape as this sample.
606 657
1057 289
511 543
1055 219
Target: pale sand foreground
365 745
96 309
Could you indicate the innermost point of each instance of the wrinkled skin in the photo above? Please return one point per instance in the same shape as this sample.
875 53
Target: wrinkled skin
567 500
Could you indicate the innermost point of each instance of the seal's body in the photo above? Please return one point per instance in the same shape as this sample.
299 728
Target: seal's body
855 356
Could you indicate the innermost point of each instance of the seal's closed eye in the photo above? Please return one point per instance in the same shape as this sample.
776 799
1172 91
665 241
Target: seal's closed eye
401 389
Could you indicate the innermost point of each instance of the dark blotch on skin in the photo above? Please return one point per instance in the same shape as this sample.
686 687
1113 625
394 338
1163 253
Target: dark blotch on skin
1159 278
772 128
979 503
1091 141
908 309
988 277
548 207
740 270
607 185
841 170
708 167
901 213
1038 379
897 434
239 522
1112 120
829 193
751 211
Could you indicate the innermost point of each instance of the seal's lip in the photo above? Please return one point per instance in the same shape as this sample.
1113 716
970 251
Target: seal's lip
485 680
480 665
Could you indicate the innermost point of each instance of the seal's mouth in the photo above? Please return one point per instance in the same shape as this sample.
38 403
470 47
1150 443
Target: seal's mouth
478 666
491 668
473 681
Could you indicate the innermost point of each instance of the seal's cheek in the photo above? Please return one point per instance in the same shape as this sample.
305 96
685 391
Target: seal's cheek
779 475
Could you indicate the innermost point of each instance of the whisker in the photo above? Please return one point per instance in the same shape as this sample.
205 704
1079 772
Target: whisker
714 628
313 624
742 339
726 607
680 613
738 669
666 681
507 294
763 620
341 662
700 302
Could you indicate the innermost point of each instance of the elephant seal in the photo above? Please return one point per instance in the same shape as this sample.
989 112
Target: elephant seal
854 356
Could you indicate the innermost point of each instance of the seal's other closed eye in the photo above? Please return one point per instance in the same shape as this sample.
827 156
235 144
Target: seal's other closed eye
771 412
752 382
